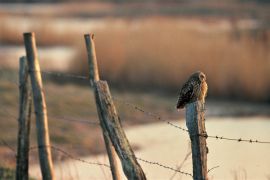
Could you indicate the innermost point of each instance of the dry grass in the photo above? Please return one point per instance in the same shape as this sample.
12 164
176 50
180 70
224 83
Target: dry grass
161 53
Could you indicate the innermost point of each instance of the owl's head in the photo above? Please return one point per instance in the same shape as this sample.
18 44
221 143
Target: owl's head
200 76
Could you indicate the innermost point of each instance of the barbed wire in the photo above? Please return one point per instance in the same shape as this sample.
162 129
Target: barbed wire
95 163
236 139
84 161
179 167
74 120
151 114
53 117
69 155
8 146
158 117
164 166
65 75
212 168
10 80
3 109
137 108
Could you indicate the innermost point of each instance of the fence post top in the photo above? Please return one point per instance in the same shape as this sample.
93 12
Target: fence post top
29 34
89 35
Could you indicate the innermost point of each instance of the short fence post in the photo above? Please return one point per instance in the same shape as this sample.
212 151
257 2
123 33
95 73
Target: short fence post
94 76
196 126
24 122
45 157
109 119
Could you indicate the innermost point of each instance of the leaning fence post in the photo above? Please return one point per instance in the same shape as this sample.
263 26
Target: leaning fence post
112 123
196 126
45 157
24 122
109 119
94 76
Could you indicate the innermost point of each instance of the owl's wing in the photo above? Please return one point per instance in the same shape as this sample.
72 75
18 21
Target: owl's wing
186 94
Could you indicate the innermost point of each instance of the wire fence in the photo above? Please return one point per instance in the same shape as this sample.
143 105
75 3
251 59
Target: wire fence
69 155
164 166
67 119
158 117
4 143
75 120
132 106
148 113
66 75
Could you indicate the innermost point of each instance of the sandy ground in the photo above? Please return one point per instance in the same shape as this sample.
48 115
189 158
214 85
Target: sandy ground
167 145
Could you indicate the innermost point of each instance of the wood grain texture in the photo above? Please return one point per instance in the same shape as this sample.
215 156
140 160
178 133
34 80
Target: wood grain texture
112 123
196 126
94 76
92 58
24 122
45 157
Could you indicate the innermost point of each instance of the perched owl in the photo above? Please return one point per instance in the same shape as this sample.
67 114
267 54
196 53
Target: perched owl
193 90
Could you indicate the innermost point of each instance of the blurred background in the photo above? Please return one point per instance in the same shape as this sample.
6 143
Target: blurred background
145 50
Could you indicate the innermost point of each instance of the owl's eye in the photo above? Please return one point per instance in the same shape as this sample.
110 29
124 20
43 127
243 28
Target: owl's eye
202 77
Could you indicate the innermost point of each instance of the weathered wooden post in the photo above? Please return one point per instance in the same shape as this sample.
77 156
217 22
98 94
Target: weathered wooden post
24 122
45 157
196 126
110 121
93 77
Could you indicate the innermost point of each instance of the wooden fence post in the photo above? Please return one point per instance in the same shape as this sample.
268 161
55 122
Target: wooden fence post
196 126
45 157
24 122
109 119
94 76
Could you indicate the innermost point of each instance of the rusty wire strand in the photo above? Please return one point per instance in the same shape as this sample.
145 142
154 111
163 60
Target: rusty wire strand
101 164
156 116
163 166
87 162
75 120
55 117
92 163
8 146
212 168
236 139
69 155
65 75
179 167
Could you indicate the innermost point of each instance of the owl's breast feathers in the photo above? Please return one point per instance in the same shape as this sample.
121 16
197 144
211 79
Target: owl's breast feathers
204 89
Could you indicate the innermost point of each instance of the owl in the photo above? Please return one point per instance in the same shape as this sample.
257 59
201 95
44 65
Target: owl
193 90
